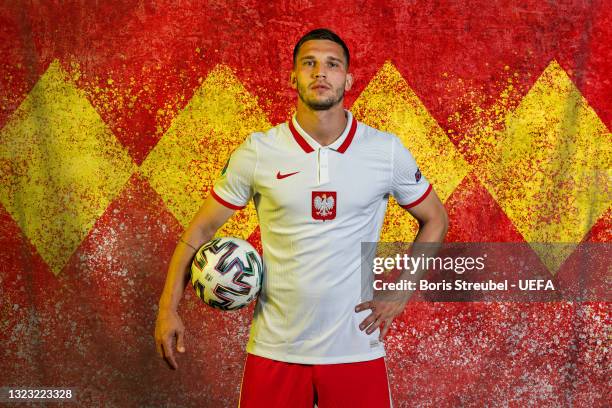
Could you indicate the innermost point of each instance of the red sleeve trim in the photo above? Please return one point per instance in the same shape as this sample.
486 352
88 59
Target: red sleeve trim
225 203
417 202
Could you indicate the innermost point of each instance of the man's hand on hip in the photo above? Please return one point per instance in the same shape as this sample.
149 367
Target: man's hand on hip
385 307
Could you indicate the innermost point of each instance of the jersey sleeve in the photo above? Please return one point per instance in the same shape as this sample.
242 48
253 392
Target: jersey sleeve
408 185
234 187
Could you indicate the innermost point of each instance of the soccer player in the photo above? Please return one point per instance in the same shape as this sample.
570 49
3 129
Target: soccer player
320 183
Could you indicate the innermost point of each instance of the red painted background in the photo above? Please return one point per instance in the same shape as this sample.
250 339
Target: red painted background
74 329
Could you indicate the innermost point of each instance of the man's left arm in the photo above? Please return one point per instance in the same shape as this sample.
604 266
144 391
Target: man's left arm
433 224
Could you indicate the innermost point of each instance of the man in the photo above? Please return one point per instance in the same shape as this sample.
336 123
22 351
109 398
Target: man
320 184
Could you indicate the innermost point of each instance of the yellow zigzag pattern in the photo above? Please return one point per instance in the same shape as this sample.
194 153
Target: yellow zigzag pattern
185 163
551 171
62 166
388 103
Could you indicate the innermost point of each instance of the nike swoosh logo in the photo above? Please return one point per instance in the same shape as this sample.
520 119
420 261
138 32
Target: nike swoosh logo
282 176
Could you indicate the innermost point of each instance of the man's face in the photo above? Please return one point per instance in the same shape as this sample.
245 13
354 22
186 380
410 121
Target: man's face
320 74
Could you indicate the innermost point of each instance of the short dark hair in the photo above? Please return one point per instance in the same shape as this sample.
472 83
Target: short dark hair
321 34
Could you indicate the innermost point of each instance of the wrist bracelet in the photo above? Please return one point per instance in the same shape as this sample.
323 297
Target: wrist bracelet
187 243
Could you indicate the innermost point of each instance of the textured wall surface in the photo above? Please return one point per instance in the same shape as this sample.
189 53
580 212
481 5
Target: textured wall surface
116 117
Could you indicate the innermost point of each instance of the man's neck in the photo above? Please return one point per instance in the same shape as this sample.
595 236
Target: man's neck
324 126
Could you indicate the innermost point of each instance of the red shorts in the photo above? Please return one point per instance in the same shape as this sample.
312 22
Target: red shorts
271 384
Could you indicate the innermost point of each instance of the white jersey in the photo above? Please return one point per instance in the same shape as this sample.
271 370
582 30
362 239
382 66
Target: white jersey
315 205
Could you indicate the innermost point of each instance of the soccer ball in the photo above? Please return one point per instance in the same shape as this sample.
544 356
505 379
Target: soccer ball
226 273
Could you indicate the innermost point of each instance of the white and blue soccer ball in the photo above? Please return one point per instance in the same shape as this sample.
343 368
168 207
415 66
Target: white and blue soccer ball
226 273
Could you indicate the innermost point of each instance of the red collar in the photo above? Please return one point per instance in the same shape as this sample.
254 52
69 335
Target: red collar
348 137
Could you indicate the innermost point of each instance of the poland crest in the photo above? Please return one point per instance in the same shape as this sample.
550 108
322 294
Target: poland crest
324 205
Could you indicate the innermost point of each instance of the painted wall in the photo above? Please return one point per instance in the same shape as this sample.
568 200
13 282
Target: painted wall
116 117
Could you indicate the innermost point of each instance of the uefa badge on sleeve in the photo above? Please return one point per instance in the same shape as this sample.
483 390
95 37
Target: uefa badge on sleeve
323 205
417 175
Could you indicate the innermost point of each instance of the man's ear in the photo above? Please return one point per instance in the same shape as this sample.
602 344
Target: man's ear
348 83
293 80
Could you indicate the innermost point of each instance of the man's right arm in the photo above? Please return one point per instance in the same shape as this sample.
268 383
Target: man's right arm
202 228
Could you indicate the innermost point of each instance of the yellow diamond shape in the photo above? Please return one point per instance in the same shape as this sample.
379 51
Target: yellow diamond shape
185 163
61 166
551 171
388 103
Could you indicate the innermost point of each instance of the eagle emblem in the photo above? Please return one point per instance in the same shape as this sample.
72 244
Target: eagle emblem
324 205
